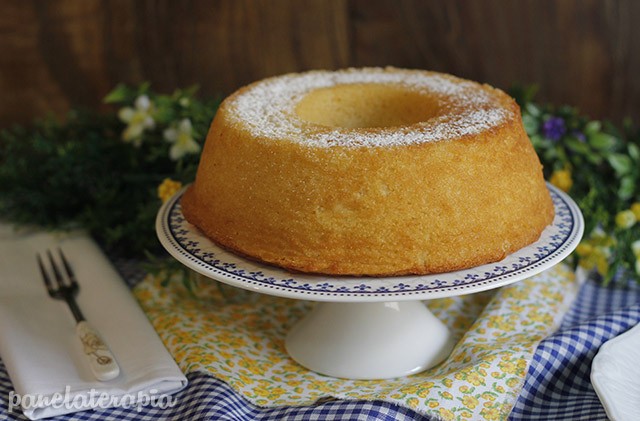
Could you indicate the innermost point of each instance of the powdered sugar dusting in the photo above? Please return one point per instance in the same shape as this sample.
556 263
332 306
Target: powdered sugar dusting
266 108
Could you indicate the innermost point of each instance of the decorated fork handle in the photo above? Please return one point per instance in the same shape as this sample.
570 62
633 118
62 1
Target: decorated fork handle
103 365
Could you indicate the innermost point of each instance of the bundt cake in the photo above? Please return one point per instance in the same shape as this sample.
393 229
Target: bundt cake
373 171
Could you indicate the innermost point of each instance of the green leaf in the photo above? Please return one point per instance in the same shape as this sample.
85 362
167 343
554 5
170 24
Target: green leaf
550 154
594 158
538 142
621 163
191 90
523 94
634 151
533 109
144 88
119 94
164 115
592 127
576 145
562 156
627 187
531 124
602 141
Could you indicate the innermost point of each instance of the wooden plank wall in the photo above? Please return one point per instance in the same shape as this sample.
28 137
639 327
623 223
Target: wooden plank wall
61 53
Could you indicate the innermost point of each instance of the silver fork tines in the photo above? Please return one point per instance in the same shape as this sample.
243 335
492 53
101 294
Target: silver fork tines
102 363
65 290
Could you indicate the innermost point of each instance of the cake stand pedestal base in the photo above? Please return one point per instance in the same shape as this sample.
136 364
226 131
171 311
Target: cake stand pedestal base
375 340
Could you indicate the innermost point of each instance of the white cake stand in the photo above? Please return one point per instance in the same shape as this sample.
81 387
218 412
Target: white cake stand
363 327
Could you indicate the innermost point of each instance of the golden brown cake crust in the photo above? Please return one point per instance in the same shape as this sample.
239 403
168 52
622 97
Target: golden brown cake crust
418 207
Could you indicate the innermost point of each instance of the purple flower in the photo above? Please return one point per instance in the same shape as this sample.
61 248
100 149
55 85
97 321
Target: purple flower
554 128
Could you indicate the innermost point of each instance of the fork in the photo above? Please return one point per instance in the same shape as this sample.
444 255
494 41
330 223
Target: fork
101 361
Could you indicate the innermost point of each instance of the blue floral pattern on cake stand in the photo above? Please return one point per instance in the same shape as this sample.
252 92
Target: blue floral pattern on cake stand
188 245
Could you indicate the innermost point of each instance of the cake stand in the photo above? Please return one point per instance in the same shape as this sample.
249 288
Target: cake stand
364 327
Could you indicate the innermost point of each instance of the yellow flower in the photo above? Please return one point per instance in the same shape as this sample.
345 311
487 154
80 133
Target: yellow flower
168 188
447 414
411 389
635 248
522 364
490 414
488 396
595 252
143 295
626 219
475 379
584 249
470 402
635 208
601 238
423 390
562 179
513 382
507 367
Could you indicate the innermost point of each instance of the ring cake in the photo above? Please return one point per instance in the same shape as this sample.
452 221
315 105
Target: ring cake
374 171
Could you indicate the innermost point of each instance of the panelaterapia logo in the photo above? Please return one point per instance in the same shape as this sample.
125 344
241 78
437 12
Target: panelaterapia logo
91 399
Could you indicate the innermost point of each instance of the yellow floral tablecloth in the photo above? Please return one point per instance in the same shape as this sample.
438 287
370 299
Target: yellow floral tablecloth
238 337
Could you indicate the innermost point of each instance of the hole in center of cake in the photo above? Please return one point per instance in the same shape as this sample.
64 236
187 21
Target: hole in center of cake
372 105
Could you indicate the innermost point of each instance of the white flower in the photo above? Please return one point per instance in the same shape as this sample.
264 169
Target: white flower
635 247
181 135
138 119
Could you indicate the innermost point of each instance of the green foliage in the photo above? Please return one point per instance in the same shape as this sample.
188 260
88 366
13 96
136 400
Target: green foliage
80 172
599 165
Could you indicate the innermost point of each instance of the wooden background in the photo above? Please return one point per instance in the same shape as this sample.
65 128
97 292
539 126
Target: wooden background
62 53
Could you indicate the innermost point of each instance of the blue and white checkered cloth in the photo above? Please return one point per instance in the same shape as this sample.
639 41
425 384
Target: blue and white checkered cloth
557 385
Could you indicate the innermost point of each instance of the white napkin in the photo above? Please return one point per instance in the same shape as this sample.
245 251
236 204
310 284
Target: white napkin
38 343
